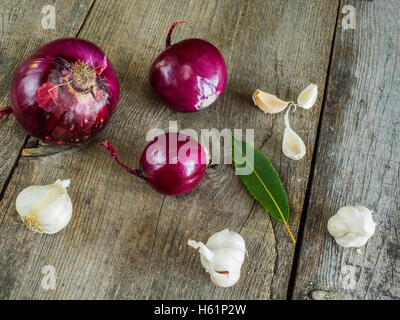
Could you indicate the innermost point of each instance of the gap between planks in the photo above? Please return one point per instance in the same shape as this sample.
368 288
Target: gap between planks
300 232
15 165
84 20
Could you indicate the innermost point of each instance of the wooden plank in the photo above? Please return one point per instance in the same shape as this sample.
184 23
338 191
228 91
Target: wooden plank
21 33
358 162
126 240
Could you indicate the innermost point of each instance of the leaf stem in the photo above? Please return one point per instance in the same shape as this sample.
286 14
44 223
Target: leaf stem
290 232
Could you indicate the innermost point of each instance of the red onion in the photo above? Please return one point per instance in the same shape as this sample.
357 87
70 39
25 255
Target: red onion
189 75
172 163
65 92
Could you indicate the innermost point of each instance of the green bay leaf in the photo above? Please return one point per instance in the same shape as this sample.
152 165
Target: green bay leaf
263 182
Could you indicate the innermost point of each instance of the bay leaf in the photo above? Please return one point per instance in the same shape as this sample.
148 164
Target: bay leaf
261 180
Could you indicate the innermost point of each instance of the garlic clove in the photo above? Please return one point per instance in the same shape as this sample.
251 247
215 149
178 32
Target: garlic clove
45 209
222 257
308 96
64 183
225 267
292 145
268 102
352 226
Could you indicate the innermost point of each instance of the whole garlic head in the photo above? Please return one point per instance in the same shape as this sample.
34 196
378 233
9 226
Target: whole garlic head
352 226
222 256
45 209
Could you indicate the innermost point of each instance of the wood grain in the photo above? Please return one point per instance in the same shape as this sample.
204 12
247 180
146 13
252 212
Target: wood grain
125 240
21 33
358 162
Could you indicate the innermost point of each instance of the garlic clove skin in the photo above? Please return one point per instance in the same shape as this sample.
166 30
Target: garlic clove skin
268 102
222 257
223 265
45 209
308 96
293 146
352 226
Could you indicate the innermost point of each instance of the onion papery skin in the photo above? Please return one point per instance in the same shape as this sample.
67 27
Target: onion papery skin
65 93
189 75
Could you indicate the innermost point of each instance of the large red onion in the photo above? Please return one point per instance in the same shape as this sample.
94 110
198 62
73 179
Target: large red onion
172 163
189 75
65 92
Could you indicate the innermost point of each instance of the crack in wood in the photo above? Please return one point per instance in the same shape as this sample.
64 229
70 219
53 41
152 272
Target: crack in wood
300 232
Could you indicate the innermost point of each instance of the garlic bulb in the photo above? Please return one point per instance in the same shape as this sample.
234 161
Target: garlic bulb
352 226
222 256
268 102
308 96
292 145
45 209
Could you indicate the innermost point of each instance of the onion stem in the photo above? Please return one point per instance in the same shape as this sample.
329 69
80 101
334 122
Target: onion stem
168 40
107 144
5 111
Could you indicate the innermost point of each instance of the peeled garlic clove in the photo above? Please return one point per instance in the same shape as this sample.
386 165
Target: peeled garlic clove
222 256
45 209
268 102
308 96
352 226
292 145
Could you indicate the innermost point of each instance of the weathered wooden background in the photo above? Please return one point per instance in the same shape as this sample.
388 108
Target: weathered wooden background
126 241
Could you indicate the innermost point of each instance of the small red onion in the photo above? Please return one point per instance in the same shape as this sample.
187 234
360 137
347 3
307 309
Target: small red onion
189 75
65 92
173 163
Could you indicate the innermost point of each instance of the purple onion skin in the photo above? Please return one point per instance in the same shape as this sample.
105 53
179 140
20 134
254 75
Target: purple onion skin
171 170
51 107
189 75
